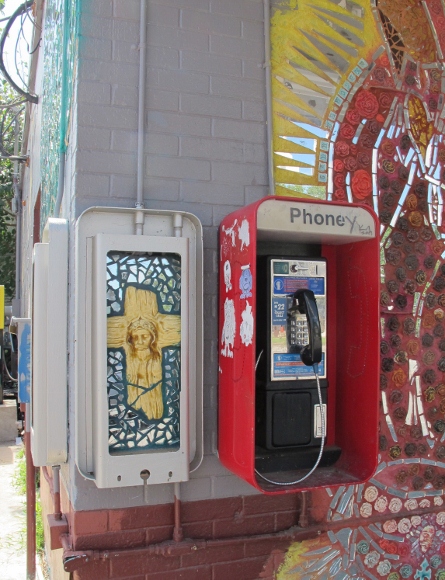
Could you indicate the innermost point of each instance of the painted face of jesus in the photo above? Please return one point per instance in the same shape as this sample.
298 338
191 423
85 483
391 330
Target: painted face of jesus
142 337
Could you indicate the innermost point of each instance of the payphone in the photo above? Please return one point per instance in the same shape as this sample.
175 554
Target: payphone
291 380
292 338
298 352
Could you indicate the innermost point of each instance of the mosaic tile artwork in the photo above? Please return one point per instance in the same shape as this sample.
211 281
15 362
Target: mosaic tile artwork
57 91
358 114
411 547
143 356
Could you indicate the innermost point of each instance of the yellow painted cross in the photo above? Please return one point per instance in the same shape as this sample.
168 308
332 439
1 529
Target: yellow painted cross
142 332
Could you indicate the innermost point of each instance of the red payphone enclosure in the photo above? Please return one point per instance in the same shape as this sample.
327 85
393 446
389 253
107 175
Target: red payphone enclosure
348 238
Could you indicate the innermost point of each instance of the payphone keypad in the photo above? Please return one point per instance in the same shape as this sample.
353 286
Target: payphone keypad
299 335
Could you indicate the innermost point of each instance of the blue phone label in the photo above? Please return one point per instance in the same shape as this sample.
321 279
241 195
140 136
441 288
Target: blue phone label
290 284
290 365
279 311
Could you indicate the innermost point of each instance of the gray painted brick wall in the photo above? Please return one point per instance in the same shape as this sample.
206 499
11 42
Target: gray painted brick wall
205 150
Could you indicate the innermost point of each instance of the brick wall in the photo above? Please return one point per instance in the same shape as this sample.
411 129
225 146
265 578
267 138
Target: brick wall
207 519
205 109
222 538
242 537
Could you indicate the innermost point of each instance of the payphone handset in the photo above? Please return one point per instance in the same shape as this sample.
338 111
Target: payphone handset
298 318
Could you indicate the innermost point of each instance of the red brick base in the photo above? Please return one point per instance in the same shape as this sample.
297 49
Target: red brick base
226 539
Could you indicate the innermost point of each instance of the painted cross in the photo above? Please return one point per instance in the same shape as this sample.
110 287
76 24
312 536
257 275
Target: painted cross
142 332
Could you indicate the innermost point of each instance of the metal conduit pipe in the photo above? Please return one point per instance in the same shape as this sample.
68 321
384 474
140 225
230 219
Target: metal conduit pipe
56 482
18 244
54 488
303 520
18 212
73 559
49 480
139 217
178 534
30 506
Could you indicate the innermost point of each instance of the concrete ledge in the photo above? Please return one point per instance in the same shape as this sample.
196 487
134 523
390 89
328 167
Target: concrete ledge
8 421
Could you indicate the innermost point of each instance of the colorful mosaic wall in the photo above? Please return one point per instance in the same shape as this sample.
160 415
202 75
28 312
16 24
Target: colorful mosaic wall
61 22
358 101
412 547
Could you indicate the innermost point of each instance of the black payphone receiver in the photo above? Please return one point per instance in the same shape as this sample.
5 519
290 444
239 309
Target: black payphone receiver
304 302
